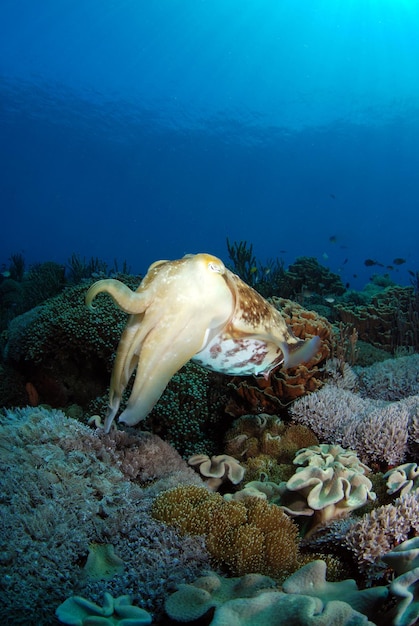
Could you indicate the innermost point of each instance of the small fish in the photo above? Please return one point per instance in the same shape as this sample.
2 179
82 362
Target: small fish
370 262
332 195
6 274
329 299
333 238
345 262
325 256
399 261
389 267
411 273
253 269
347 285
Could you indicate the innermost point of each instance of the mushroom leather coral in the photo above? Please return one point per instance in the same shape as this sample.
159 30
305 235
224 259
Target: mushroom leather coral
245 537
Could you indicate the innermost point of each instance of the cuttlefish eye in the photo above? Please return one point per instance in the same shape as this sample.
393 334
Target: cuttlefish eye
216 267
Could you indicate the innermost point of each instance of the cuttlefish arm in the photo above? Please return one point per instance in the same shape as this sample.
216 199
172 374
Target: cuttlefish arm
177 307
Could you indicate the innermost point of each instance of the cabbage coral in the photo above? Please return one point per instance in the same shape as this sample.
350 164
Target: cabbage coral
331 484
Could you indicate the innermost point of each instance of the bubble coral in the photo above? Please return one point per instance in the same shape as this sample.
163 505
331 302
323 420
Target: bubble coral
263 434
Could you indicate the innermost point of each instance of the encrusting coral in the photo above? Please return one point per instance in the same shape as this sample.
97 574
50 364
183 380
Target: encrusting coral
243 537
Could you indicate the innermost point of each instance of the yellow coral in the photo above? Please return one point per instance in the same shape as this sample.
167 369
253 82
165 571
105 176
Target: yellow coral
245 537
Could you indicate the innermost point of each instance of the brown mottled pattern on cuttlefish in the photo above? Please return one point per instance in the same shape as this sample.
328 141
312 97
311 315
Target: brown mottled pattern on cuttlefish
192 308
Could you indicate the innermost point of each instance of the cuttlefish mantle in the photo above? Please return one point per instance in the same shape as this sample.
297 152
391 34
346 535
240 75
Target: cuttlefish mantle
193 308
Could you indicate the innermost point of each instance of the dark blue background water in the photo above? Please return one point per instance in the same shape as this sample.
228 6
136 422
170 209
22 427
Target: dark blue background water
146 129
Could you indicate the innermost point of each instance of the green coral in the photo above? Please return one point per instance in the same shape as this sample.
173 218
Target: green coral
65 350
189 411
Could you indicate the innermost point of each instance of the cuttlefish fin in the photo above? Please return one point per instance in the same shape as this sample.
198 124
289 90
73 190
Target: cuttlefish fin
300 352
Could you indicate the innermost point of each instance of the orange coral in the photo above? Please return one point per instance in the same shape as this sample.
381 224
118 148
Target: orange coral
245 537
387 322
258 395
255 435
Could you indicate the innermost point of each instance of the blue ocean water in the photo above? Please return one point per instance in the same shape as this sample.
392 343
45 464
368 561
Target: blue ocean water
145 129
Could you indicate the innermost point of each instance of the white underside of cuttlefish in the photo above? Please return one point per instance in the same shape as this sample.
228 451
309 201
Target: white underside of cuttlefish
193 308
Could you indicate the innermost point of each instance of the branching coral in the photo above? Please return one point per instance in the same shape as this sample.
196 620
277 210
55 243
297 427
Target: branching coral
245 537
379 531
378 431
392 379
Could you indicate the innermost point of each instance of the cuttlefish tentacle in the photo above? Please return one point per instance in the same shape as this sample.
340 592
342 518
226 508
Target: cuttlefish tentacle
193 308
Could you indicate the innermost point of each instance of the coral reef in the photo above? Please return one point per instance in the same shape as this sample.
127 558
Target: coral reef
388 321
306 274
250 536
65 487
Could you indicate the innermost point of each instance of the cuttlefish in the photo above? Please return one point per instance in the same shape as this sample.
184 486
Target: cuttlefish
193 308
